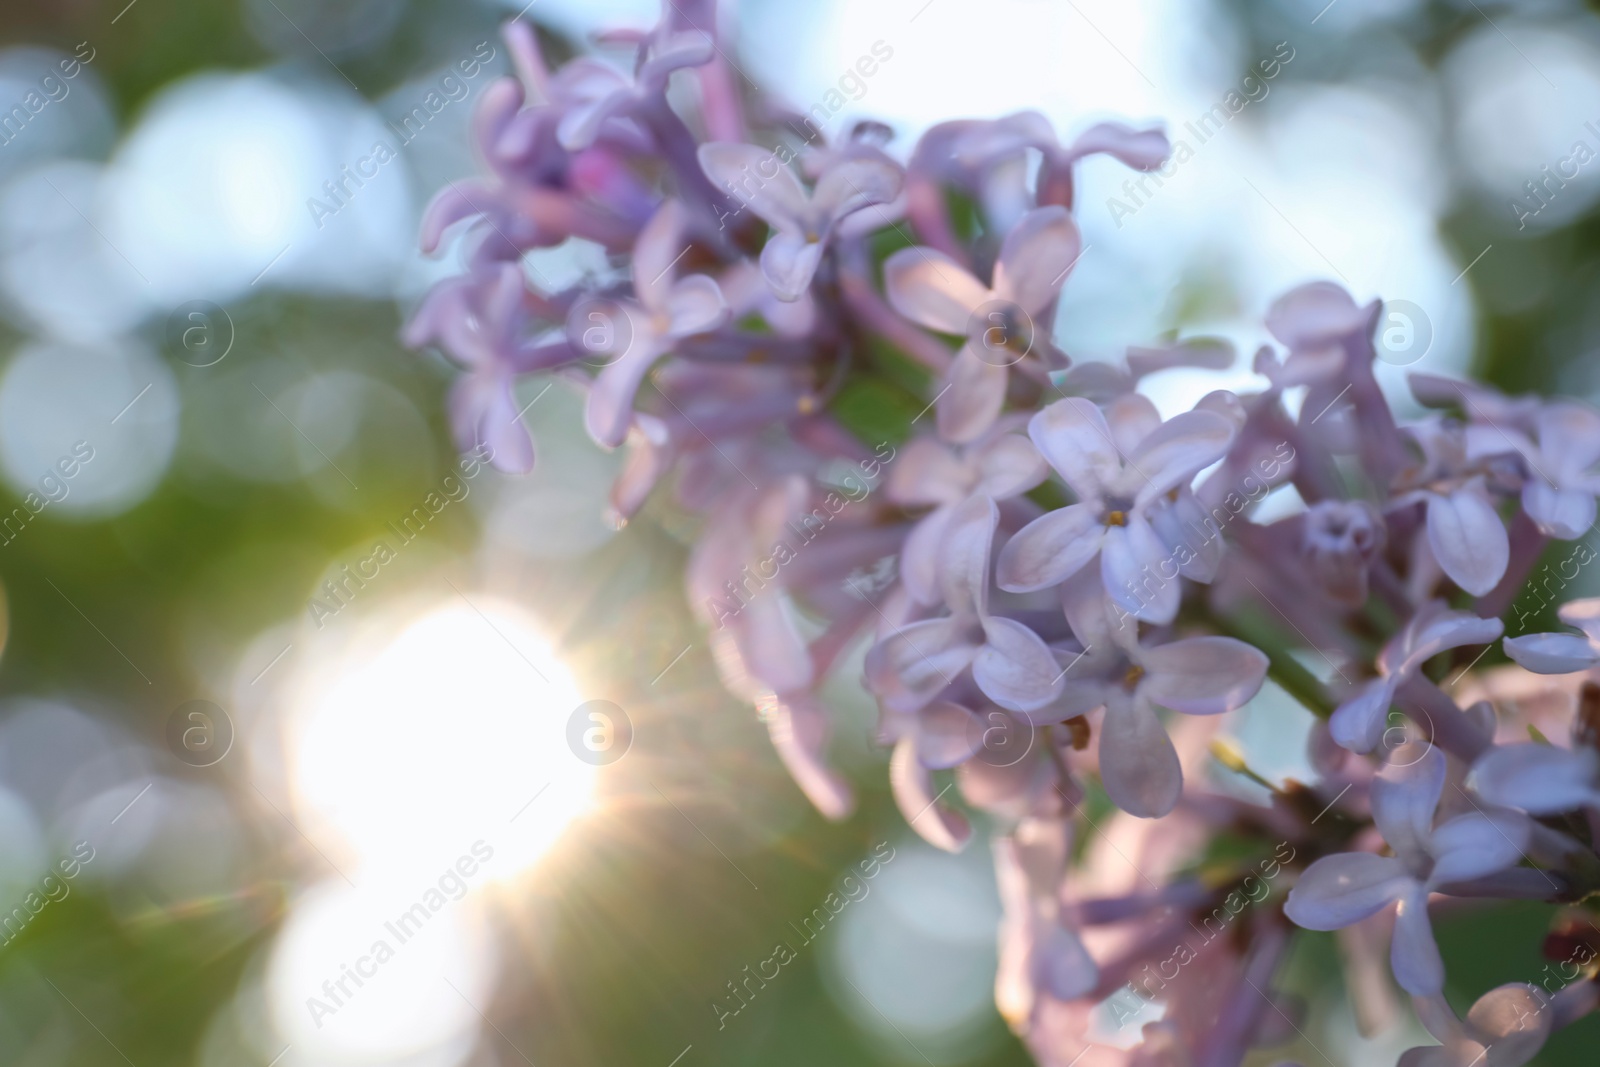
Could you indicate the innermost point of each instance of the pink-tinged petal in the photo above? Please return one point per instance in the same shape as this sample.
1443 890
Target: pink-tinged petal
1584 614
1513 1019
972 399
1552 653
1014 668
919 557
1064 967
1313 313
1074 438
756 178
800 732
1139 149
1338 890
1563 513
1405 795
1569 440
1132 417
1172 455
1139 573
1008 466
789 262
1358 723
774 653
1138 763
1203 675
1475 845
1192 537
947 734
1035 257
927 472
1468 539
1050 549
919 804
932 290
1414 954
964 556
853 184
695 305
1540 779
581 122
912 666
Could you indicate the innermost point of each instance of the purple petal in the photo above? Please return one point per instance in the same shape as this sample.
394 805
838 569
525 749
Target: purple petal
610 405
1540 779
789 262
1357 724
1468 539
1310 315
926 472
484 412
1475 845
758 178
1014 668
1049 549
800 731
1431 631
913 665
853 184
1132 417
1405 796
919 557
1172 455
931 289
1065 968
1008 466
947 734
695 305
1564 513
964 556
1035 257
1138 763
1139 149
1414 955
1569 440
1203 675
770 644
1074 438
1552 653
914 794
1338 890
686 48
1133 564
972 399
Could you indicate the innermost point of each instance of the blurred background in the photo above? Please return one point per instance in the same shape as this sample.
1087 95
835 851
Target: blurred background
285 679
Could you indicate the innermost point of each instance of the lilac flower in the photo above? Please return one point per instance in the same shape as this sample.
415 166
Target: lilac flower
1338 890
1540 779
1562 653
930 288
1465 532
1196 676
1118 468
1009 662
664 312
801 223
589 92
999 465
1341 539
1559 493
1506 1027
1358 724
479 322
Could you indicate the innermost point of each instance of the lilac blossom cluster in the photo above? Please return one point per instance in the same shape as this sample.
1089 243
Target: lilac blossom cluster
1081 589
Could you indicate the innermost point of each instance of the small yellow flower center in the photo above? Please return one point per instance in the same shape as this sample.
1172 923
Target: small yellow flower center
807 404
1116 518
1131 679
